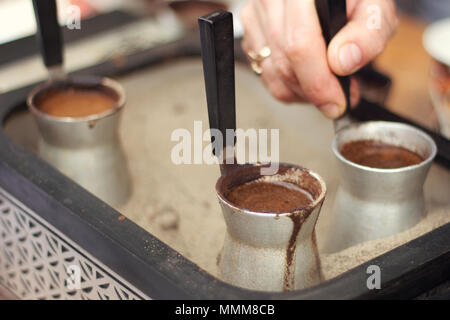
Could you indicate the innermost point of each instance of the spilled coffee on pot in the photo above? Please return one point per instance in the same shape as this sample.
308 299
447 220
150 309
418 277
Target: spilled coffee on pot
377 154
269 197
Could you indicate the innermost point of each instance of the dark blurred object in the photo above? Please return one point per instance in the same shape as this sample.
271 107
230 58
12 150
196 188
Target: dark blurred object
430 10
373 85
188 11
49 36
25 47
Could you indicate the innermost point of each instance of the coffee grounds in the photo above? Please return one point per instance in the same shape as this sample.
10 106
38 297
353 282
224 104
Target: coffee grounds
270 197
378 154
74 102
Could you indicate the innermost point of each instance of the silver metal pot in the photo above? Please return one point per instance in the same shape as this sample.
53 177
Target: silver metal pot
86 149
268 251
373 203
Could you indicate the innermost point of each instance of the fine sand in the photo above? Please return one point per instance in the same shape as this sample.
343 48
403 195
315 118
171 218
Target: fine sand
177 203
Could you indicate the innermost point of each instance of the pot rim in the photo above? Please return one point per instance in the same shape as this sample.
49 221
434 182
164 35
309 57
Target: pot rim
311 207
425 162
102 81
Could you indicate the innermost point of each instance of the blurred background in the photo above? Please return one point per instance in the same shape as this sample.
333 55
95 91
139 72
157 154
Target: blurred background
405 61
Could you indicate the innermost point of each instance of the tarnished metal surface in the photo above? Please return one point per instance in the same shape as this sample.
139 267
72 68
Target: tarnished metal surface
86 149
268 251
374 203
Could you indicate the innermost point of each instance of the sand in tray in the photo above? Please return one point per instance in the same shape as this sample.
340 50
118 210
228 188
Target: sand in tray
178 204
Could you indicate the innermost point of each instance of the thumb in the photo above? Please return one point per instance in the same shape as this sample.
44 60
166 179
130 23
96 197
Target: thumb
372 23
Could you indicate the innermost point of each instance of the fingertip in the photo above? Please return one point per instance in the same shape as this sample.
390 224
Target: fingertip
345 59
350 57
331 110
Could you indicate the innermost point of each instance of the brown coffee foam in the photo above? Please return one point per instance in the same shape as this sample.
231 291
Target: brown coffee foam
73 101
271 197
377 154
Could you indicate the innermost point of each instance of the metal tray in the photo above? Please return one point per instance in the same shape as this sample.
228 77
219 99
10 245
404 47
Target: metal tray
48 222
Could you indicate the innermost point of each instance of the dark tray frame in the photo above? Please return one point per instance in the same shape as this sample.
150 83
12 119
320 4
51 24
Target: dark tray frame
159 271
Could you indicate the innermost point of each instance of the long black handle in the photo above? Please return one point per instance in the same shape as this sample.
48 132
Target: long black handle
217 42
333 17
48 32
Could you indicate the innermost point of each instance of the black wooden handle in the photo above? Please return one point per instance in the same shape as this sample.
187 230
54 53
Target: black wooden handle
217 44
333 17
48 32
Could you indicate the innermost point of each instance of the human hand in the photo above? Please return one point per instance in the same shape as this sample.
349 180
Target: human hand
300 67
